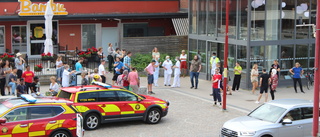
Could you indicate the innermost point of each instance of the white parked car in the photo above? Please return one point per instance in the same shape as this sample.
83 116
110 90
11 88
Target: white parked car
277 118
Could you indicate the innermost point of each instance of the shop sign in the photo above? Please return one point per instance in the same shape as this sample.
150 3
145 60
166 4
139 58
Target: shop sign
38 32
27 8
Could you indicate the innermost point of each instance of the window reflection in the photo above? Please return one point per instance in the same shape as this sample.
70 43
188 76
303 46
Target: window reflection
257 20
202 54
193 16
257 57
302 17
243 17
202 17
19 39
302 55
286 60
287 18
212 14
2 37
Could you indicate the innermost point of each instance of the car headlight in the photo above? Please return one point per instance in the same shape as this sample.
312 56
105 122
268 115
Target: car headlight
247 133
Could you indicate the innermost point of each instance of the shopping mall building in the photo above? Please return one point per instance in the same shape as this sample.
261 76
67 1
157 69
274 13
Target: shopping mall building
260 31
84 24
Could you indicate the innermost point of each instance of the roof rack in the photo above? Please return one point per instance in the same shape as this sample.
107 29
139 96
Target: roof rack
102 84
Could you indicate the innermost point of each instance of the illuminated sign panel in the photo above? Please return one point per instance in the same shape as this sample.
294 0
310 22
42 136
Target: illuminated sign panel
27 8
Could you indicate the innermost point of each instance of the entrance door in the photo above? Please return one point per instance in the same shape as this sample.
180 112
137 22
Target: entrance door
110 35
214 47
37 37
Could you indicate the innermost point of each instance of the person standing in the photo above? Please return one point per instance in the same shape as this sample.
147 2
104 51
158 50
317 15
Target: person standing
213 61
274 82
216 82
183 59
110 56
78 65
254 78
264 84
59 65
127 61
118 65
155 53
122 80
19 64
7 71
66 76
276 66
150 70
21 88
237 77
13 81
156 72
167 66
123 55
54 86
28 77
102 71
133 79
177 72
297 72
84 80
195 69
2 77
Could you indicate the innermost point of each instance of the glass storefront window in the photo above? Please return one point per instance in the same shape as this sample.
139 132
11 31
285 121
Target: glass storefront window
257 20
212 28
286 60
257 56
312 11
88 36
312 55
272 20
243 19
271 54
232 56
19 39
202 54
302 55
242 57
193 48
232 19
2 38
202 17
193 16
221 20
288 20
302 17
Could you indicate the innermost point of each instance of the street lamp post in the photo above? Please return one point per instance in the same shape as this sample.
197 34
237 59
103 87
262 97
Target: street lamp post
225 65
315 125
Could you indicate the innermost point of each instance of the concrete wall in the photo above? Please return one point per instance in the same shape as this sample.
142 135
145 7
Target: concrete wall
171 45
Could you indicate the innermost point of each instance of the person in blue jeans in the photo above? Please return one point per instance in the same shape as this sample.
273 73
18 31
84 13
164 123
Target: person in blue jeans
297 72
195 69
13 80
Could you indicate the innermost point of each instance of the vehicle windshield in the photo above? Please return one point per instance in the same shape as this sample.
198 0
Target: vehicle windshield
267 112
64 94
3 108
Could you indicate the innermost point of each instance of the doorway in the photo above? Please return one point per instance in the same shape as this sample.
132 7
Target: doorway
214 47
37 37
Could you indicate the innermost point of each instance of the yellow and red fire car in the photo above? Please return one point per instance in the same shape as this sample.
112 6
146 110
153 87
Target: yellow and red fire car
102 103
39 117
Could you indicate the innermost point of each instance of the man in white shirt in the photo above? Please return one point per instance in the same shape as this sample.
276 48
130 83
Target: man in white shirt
213 61
66 76
177 72
167 66
102 71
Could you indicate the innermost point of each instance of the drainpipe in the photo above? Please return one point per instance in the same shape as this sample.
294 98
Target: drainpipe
119 33
315 125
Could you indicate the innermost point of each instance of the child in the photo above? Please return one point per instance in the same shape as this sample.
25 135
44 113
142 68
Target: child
176 79
96 78
84 80
216 79
21 88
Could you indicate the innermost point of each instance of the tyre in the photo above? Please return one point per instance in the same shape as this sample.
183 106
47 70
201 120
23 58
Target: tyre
266 136
153 116
91 121
60 133
308 82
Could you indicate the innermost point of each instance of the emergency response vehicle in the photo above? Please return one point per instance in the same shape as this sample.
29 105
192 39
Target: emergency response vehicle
102 103
39 117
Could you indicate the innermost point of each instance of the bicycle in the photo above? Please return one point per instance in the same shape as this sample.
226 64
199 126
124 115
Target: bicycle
310 79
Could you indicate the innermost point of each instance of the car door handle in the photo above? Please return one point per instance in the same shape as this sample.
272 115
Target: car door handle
51 122
25 125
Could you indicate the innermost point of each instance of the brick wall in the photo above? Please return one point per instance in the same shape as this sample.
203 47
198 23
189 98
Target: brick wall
171 45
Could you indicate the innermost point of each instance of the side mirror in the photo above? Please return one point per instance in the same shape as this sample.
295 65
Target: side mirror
3 120
286 121
140 99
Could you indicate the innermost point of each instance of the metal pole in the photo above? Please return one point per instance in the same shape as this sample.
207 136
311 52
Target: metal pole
315 125
226 49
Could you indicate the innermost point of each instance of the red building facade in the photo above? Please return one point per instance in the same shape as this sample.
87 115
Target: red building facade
83 23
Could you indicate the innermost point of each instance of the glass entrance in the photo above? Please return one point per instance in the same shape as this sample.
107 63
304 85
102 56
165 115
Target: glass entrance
38 36
217 48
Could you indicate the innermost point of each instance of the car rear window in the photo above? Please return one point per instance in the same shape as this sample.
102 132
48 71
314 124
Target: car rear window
64 94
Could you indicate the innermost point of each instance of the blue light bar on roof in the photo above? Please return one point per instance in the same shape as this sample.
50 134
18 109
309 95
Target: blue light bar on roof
28 98
102 84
